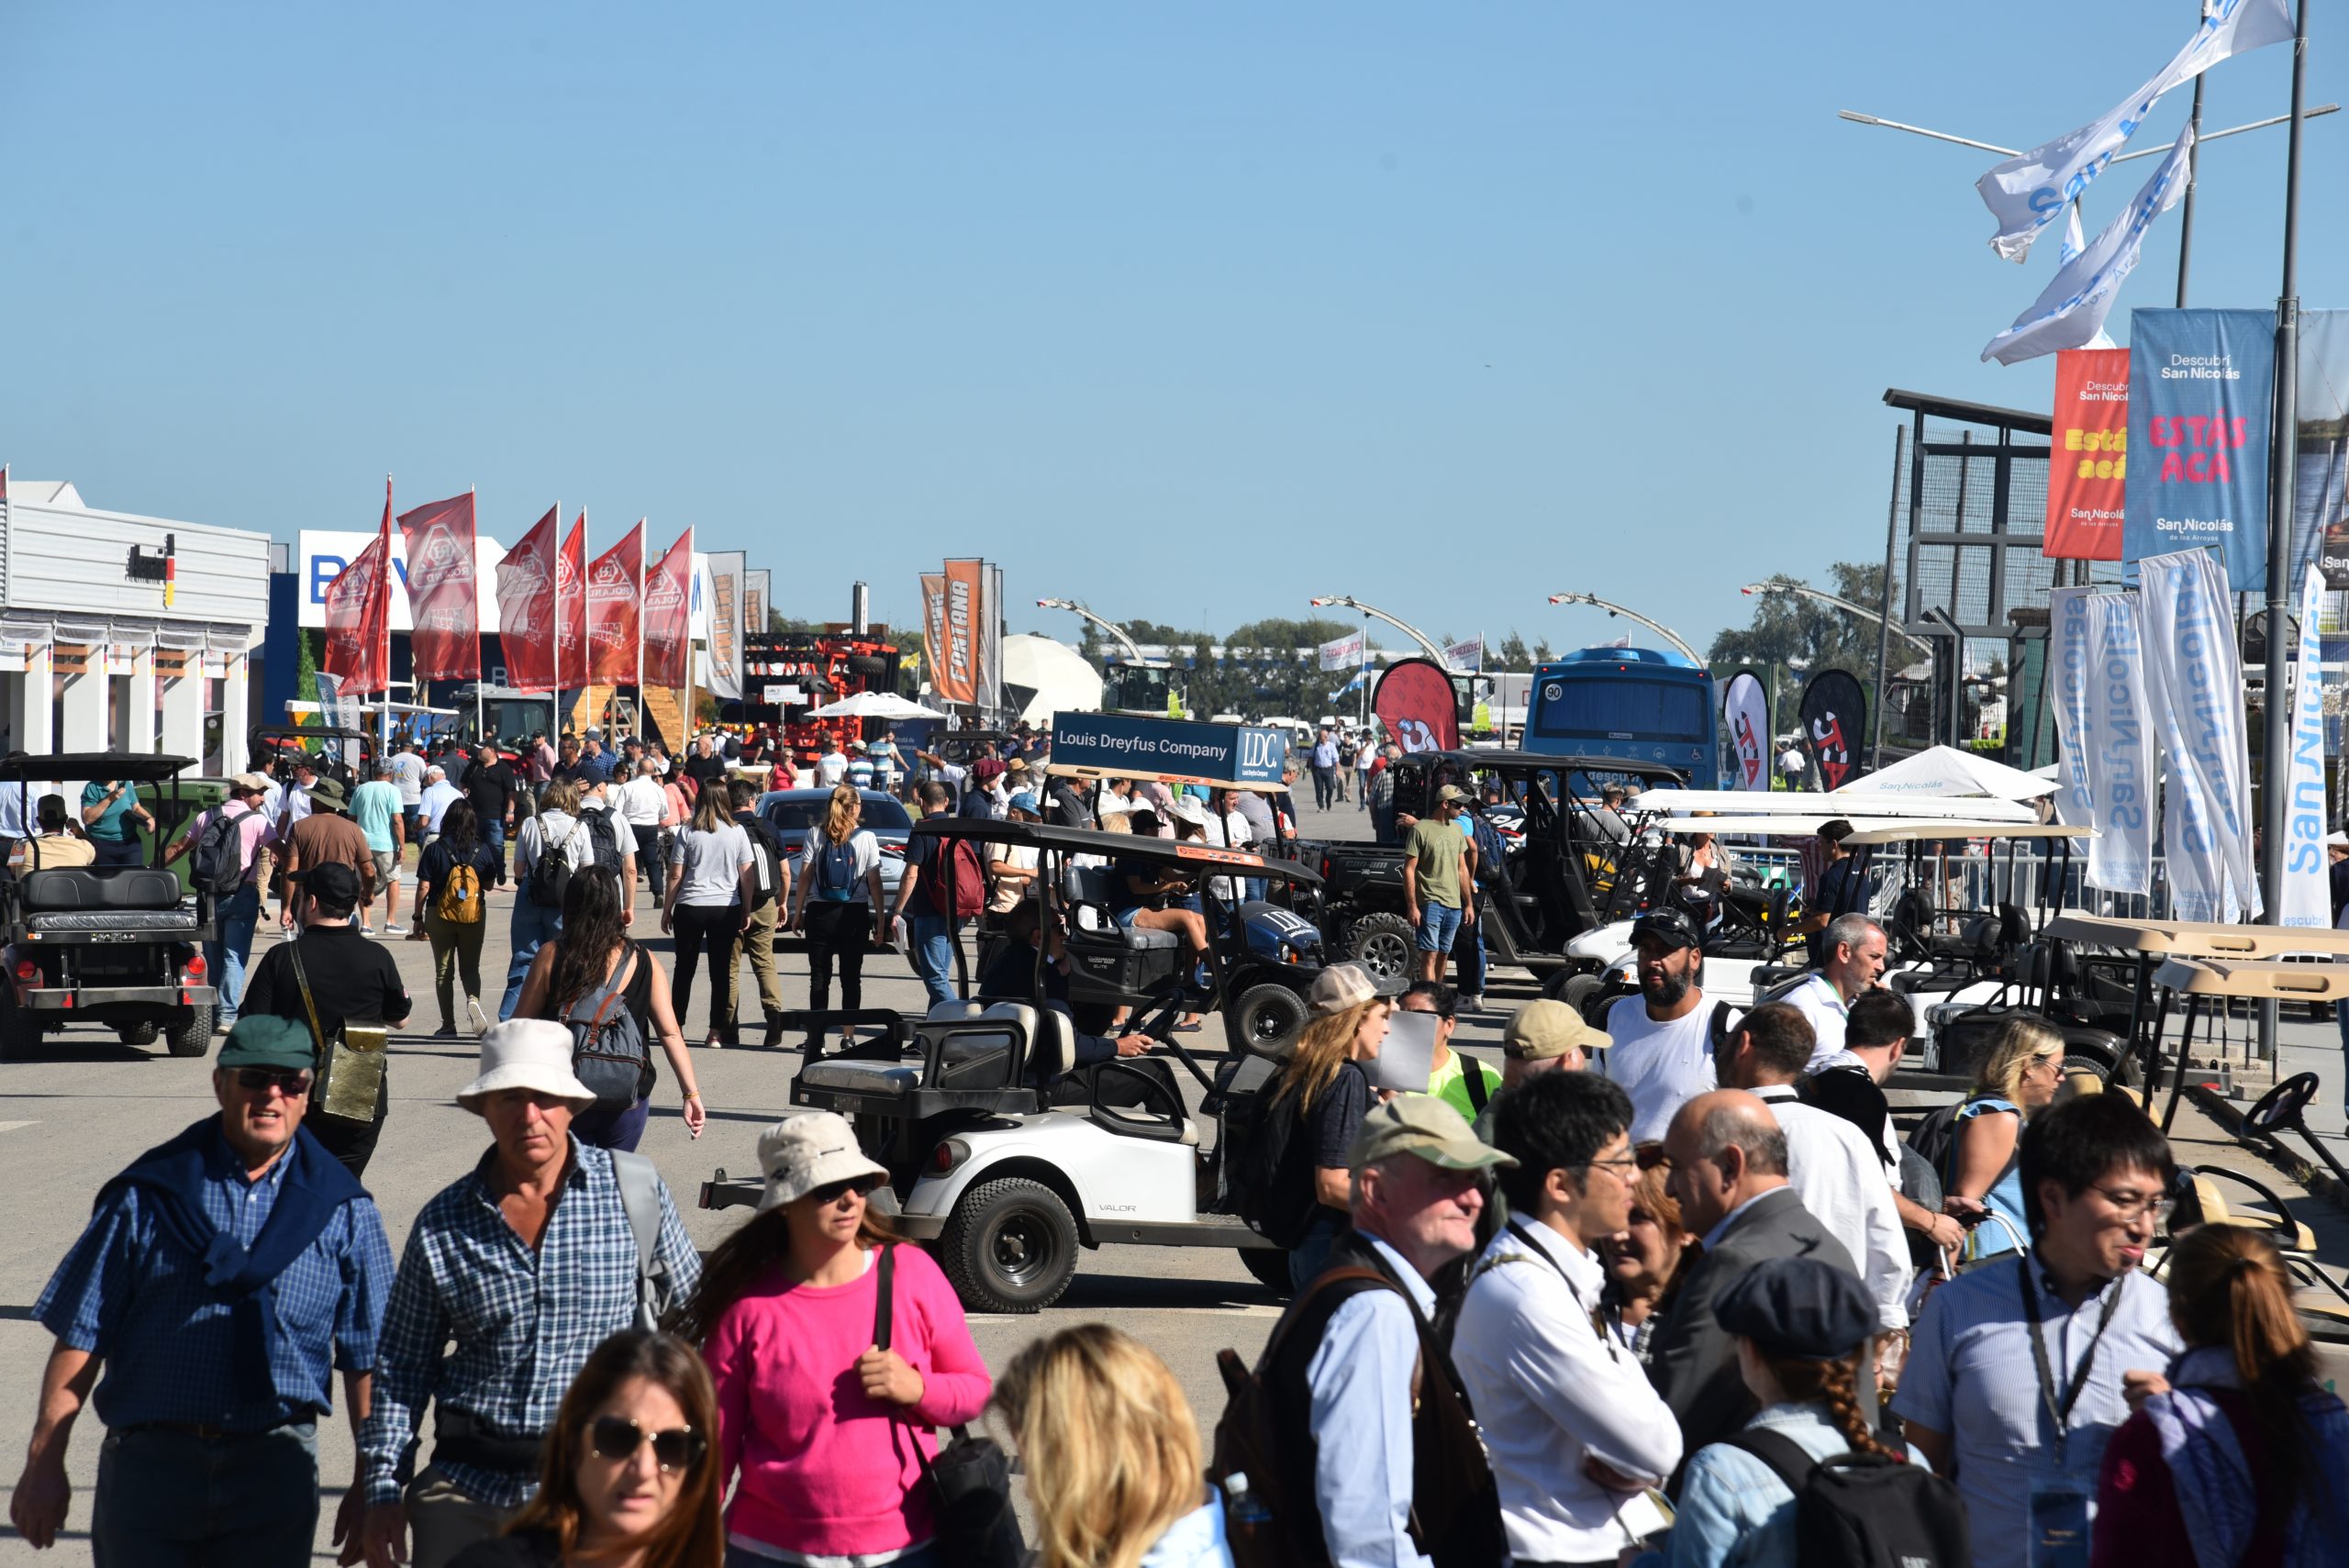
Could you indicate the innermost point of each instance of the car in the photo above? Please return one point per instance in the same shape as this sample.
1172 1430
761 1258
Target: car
793 812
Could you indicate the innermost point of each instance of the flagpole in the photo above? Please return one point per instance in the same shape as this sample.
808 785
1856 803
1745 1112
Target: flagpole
555 592
480 728
640 537
386 579
2193 171
688 607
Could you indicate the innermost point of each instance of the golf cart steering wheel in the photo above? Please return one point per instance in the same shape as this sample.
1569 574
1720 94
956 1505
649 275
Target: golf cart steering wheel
2281 1108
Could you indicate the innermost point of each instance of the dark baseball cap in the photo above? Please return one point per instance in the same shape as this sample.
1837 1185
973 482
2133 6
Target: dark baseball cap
262 1040
1672 927
332 883
1799 1308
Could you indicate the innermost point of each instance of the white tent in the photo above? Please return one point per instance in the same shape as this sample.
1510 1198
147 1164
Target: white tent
1946 771
873 704
1043 677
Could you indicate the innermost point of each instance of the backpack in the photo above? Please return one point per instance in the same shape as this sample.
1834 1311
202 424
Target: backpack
1271 1170
550 873
457 901
607 1049
603 840
965 879
1859 1510
639 1182
766 865
1936 1135
219 854
836 872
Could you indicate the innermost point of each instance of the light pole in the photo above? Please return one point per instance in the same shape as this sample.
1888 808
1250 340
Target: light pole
1112 627
1810 593
1665 632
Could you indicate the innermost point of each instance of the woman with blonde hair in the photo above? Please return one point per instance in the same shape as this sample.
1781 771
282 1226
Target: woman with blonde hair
628 1477
1982 1183
2243 1457
833 895
1111 1455
1326 1088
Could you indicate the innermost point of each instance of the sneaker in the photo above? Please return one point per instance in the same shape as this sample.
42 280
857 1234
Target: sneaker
1472 1004
476 1017
222 1025
392 931
446 1031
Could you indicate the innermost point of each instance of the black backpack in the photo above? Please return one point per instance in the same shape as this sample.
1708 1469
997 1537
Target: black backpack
603 840
1861 1510
550 873
220 854
1271 1170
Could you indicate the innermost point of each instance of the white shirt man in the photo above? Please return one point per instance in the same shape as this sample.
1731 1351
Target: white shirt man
831 768
1662 1054
643 802
438 797
1856 950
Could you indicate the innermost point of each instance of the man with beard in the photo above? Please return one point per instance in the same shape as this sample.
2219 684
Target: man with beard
1663 1053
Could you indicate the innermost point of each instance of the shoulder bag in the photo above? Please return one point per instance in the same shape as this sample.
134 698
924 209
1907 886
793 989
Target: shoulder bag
969 1480
351 1065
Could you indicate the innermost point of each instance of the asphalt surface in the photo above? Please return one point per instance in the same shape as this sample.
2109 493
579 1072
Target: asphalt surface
90 1106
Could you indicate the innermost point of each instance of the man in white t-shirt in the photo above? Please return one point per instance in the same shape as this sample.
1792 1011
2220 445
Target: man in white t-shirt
1663 1053
833 766
1857 949
1792 764
642 802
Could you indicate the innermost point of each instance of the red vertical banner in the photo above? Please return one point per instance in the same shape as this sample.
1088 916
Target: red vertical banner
2087 463
615 599
571 607
359 616
668 619
443 590
956 676
525 605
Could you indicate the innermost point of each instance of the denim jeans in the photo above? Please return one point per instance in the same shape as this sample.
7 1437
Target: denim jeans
177 1500
225 960
495 833
116 852
533 928
1438 924
930 945
1311 1253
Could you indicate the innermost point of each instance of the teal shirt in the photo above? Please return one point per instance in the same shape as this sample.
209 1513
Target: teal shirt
111 826
373 805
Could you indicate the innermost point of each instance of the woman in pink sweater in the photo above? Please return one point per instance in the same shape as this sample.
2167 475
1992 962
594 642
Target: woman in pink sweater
820 1426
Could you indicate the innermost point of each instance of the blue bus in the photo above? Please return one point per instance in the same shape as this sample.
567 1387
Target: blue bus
1635 702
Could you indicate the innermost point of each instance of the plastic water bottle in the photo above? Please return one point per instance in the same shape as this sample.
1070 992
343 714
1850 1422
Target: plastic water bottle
1243 1513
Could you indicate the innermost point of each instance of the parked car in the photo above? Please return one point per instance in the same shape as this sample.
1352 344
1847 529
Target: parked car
793 812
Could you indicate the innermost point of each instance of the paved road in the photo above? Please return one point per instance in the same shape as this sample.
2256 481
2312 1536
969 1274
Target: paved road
69 1121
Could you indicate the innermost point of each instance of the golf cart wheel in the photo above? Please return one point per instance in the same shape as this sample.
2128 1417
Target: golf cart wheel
191 1032
1267 1018
1270 1268
1575 990
1384 944
1009 1246
137 1034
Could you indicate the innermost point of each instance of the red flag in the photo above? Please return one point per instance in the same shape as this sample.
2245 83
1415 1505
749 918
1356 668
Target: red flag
1417 702
2087 473
615 594
359 616
668 622
443 590
571 606
525 603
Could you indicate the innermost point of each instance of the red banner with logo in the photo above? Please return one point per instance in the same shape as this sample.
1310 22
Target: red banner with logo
359 616
443 591
668 615
526 590
1416 701
2088 464
615 597
955 677
571 607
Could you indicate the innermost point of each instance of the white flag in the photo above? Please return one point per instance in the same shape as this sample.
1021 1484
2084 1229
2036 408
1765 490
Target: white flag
1343 653
2306 897
2031 190
2070 311
2096 680
2194 674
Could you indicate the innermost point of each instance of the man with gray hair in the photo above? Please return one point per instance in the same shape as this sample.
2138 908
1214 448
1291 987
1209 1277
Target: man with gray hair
1727 1160
1855 949
433 803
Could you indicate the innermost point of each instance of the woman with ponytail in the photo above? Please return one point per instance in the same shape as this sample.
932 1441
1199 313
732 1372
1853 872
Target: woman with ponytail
2241 1460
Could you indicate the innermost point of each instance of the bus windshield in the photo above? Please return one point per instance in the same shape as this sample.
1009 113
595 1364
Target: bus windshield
1624 707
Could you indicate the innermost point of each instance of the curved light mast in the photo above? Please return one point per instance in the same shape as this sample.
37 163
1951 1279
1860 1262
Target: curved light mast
1825 597
1665 632
1112 627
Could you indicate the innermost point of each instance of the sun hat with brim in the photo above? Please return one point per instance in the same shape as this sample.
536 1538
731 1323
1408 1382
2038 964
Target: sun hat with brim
327 792
250 784
1546 1029
525 1054
1339 986
2336 840
1023 801
1798 1308
801 1153
1424 1127
264 1040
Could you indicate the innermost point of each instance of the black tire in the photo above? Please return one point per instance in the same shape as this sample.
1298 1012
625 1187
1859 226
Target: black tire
1009 1246
1577 990
1267 1018
20 1033
1270 1268
136 1034
190 1033
1386 945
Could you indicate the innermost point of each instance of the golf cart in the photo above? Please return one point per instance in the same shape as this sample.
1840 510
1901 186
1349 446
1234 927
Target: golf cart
347 756
1005 1155
112 945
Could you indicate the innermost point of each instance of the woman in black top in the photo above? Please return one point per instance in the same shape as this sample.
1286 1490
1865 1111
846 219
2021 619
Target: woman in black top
451 910
567 980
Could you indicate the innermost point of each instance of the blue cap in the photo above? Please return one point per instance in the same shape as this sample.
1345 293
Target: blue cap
1024 801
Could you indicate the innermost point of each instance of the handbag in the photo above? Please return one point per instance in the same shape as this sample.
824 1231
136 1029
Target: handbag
969 1480
350 1065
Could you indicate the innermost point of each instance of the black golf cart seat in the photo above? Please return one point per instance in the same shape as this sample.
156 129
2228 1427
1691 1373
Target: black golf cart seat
1131 960
967 1057
112 898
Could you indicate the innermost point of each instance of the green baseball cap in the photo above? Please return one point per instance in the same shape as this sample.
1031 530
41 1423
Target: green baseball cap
1423 1126
263 1039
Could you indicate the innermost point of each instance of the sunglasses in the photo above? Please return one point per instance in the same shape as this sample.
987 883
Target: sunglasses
616 1437
832 1192
258 1080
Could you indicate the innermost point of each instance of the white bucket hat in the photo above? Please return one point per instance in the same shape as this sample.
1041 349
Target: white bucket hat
525 1054
801 1153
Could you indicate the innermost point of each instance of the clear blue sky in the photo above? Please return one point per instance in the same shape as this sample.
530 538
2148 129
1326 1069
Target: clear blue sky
1190 311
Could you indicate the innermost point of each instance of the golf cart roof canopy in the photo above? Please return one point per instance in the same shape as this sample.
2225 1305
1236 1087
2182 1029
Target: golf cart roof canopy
1543 761
1901 832
1110 846
139 767
309 732
1852 806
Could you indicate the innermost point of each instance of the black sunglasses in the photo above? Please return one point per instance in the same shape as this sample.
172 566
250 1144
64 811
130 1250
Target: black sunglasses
832 1192
292 1085
616 1437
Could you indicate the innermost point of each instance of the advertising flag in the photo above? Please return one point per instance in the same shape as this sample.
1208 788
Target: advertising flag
727 569
571 607
359 616
933 626
2088 475
2032 190
1416 701
956 676
615 600
1468 655
1746 712
1834 716
443 595
2306 896
1343 653
2069 312
2320 498
526 590
2096 685
668 615
2193 677
2199 385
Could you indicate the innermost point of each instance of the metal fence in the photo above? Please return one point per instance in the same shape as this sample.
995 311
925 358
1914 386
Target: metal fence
1981 881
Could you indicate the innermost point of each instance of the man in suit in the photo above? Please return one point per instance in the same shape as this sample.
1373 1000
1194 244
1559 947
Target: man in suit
1728 1164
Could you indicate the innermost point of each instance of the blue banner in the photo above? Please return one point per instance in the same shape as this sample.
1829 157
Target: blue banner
2200 383
1179 752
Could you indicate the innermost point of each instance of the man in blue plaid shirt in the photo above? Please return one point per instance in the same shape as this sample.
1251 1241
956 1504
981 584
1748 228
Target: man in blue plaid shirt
525 1285
223 1279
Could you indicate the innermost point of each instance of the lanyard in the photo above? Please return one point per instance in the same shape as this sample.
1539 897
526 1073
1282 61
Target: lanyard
2063 1412
1598 1327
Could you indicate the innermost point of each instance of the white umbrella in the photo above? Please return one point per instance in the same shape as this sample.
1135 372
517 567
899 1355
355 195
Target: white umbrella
874 705
1946 771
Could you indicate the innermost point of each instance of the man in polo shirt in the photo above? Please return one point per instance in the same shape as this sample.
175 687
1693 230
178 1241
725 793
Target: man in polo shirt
235 916
1855 949
1662 1054
325 836
212 1392
2019 1371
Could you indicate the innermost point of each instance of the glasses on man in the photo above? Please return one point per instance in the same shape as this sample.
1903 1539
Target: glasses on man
2133 1206
832 1192
1623 1169
616 1437
259 1079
